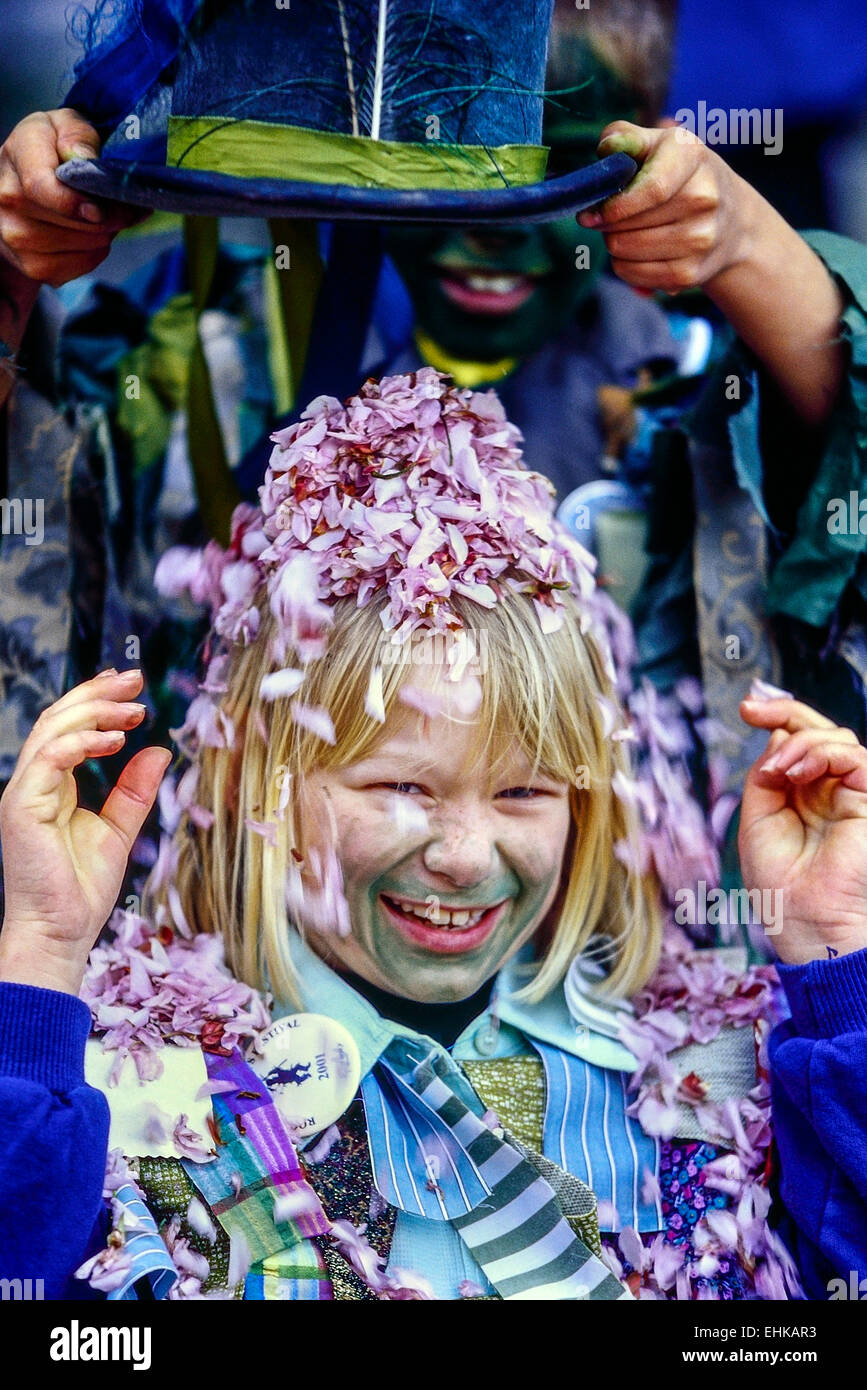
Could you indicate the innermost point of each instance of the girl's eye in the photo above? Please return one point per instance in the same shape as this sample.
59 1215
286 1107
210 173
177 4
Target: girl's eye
520 793
402 788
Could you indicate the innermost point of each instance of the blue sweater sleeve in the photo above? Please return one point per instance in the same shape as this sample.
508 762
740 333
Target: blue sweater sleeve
54 1141
818 1065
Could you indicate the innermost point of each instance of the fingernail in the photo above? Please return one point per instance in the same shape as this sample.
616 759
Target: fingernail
590 219
109 671
139 709
762 690
770 765
90 212
796 768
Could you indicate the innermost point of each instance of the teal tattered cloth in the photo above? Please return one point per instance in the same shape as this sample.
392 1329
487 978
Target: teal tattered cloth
794 598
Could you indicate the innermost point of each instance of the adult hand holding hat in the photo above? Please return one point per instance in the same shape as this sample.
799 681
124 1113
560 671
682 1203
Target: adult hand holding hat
48 232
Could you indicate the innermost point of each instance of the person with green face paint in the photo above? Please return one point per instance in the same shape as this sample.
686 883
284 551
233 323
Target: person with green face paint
530 309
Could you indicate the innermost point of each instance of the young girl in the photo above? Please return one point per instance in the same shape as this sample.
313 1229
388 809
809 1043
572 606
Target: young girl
409 816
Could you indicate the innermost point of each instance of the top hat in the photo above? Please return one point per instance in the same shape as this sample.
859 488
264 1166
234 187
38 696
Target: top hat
387 110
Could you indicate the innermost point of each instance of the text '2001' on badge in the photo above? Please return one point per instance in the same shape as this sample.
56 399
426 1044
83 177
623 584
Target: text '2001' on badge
312 1068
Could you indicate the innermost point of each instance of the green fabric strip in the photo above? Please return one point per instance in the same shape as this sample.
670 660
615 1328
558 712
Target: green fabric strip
152 381
265 150
215 487
298 270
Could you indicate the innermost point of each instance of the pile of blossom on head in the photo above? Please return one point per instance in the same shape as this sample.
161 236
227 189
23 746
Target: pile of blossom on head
405 511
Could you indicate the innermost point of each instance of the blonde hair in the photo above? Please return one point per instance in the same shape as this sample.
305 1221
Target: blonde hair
541 689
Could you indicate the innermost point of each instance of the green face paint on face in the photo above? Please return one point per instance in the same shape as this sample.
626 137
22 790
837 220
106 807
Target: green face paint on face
484 294
445 872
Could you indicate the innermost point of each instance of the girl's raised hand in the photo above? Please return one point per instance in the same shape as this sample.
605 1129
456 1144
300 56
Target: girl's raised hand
803 829
63 866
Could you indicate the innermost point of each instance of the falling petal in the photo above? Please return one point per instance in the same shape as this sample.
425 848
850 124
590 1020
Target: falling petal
373 701
608 1218
357 1251
177 911
214 1088
199 1220
466 697
319 1151
426 701
280 684
633 1250
108 1270
157 1125
315 719
267 829
293 1204
409 818
650 1189
188 1142
240 1258
609 716
406 1284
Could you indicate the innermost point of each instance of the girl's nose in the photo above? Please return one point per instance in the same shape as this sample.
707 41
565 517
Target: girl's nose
462 852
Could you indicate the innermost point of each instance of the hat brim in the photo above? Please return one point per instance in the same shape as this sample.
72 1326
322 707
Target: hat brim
225 195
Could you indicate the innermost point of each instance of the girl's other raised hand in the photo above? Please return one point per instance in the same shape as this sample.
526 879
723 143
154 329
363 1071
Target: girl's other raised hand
63 866
803 829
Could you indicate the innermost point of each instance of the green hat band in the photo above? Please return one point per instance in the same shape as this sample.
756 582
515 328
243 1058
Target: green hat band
264 150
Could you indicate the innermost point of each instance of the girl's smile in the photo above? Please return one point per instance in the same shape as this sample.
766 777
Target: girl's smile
438 927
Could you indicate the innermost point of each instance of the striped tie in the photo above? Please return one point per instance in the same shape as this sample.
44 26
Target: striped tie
503 1209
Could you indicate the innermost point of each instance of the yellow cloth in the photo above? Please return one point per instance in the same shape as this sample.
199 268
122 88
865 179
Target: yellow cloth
469 374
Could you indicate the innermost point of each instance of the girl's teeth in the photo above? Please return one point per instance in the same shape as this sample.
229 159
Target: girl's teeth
441 917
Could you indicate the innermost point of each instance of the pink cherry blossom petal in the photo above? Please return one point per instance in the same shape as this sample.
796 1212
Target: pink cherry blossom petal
267 829
373 701
315 719
281 684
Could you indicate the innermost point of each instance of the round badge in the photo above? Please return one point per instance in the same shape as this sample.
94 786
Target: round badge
312 1068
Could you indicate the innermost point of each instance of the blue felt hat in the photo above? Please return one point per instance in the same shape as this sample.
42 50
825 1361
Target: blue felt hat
390 110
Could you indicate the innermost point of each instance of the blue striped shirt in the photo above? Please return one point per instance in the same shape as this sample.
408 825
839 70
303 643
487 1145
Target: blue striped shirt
429 1178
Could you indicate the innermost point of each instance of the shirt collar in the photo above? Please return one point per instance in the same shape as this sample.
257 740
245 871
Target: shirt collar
323 991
